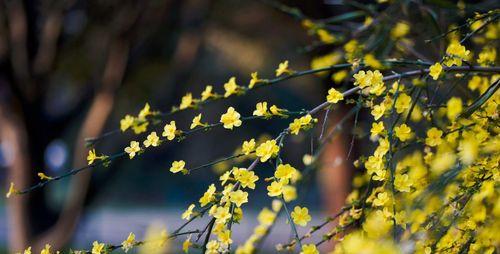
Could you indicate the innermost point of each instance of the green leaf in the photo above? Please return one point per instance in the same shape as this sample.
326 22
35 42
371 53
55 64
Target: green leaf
481 100
344 17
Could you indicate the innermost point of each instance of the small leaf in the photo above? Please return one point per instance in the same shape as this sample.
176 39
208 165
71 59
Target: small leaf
481 100
344 17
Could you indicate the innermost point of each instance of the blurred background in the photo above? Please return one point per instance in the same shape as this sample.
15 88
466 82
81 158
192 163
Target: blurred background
72 69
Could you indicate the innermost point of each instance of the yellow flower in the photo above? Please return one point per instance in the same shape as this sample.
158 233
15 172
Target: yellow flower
396 86
46 249
378 111
433 137
92 156
231 119
222 214
416 114
255 80
334 96
197 122
366 79
275 189
98 248
435 70
374 163
225 177
295 127
152 140
377 89
376 77
403 132
468 150
248 146
283 69
260 109
402 183
477 82
455 53
377 129
309 249
403 103
187 244
381 199
186 101
377 226
225 237
296 176
11 191
368 20
187 214
267 150
325 36
339 76
278 111
487 56
145 111
361 79
289 193
442 161
128 244
304 122
380 175
132 149
140 126
308 159
44 176
284 172
231 87
456 49
126 122
266 217
27 251
351 46
453 108
383 147
212 247
178 166
169 130
208 196
246 178
371 61
400 30
300 216
207 93
238 197
163 238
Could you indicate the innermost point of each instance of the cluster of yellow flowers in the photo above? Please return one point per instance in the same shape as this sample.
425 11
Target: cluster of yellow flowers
303 123
139 123
431 182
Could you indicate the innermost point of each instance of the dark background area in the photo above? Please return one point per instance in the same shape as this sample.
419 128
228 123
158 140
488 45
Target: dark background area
62 61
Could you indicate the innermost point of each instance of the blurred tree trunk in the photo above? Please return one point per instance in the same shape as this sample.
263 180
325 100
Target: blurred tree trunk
13 134
26 132
28 51
92 126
